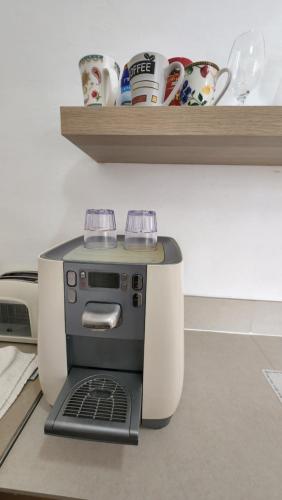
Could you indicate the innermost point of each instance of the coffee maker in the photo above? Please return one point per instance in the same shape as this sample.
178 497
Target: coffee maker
110 338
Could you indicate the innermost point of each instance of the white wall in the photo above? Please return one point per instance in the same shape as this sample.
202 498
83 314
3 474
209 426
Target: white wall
226 219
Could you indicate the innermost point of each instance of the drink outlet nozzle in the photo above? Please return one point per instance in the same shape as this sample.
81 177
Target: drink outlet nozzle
101 316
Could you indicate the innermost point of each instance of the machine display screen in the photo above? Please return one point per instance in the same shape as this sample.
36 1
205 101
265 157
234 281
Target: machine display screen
103 280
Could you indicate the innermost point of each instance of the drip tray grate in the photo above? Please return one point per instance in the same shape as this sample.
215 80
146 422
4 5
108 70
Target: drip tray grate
98 398
102 405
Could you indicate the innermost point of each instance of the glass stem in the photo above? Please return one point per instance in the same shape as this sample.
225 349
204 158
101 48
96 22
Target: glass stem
242 98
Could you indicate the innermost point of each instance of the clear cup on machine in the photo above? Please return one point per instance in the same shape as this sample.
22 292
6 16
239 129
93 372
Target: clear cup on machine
141 230
100 228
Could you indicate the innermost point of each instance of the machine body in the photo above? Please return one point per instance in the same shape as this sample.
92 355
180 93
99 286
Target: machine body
111 338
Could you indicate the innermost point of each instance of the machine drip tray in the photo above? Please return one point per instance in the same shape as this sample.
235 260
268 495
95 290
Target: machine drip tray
101 405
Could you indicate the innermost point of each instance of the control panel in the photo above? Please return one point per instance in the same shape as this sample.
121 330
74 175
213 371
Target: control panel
86 279
123 284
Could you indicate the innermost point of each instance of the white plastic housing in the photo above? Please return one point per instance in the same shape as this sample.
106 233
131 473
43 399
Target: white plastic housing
52 356
164 341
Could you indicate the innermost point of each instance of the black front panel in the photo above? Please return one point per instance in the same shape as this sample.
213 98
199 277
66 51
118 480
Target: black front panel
105 354
119 348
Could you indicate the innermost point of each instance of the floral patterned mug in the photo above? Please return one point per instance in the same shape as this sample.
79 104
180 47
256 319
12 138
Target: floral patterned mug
200 82
100 76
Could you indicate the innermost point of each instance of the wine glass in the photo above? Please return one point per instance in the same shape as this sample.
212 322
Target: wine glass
246 62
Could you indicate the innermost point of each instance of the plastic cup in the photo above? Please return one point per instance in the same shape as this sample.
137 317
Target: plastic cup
141 230
100 228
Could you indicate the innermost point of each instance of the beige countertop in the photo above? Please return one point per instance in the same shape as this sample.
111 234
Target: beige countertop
224 442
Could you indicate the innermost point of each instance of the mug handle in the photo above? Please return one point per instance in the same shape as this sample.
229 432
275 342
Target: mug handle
229 78
179 83
112 86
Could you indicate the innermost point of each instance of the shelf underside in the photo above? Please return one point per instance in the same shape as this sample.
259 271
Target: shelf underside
206 135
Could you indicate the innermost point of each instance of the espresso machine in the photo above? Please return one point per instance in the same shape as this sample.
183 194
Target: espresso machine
111 338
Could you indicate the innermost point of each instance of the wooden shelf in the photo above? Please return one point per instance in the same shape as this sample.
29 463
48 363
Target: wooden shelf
223 135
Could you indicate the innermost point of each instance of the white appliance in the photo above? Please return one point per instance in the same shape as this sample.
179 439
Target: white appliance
111 338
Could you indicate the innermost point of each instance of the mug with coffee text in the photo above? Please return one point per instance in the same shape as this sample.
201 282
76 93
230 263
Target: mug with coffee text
100 80
200 82
148 74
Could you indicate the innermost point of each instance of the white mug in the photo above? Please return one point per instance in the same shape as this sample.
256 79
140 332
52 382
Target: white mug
148 74
100 76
